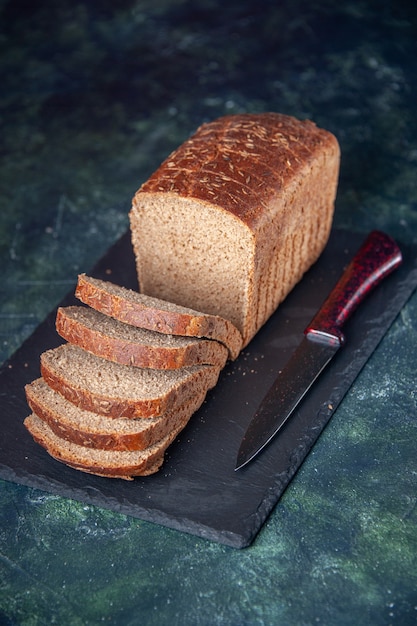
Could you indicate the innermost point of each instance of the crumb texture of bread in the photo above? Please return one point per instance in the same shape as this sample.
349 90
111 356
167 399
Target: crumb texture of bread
138 309
122 343
92 430
101 386
233 218
107 463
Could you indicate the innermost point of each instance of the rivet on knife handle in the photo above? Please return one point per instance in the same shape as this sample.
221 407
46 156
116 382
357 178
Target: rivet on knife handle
377 257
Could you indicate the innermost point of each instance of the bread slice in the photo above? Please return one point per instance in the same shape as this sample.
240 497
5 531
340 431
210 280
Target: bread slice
154 314
101 386
96 431
111 464
232 219
122 343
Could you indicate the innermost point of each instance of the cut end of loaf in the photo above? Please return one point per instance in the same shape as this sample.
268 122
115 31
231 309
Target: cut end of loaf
202 246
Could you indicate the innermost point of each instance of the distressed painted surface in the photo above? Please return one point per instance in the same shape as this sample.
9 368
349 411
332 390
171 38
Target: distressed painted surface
88 111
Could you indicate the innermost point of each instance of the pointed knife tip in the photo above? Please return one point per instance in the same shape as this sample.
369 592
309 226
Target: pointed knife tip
242 460
239 464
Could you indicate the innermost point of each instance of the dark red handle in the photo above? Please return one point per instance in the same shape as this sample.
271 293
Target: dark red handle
377 258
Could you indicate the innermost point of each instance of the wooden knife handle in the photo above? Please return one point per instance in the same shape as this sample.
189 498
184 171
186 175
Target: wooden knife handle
378 256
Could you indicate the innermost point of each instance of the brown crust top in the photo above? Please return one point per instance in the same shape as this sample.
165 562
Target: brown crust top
240 162
146 312
82 327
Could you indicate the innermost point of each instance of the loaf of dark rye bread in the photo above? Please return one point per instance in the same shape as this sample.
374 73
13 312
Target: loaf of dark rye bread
232 219
101 386
123 343
137 309
91 430
227 225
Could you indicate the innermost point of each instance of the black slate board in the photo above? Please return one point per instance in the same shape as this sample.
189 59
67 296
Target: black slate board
197 491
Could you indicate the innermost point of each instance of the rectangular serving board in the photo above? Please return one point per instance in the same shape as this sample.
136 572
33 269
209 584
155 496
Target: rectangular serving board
198 490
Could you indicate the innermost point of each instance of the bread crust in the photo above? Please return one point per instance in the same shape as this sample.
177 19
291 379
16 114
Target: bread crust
90 335
88 429
125 465
114 406
150 313
240 162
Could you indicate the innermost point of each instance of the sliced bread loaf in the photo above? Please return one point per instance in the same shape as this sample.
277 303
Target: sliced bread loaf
98 385
111 464
154 314
91 430
232 219
122 343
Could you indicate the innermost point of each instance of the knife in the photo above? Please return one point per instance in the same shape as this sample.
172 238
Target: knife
378 256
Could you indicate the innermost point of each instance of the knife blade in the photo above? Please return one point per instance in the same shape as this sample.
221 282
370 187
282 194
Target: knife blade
378 256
